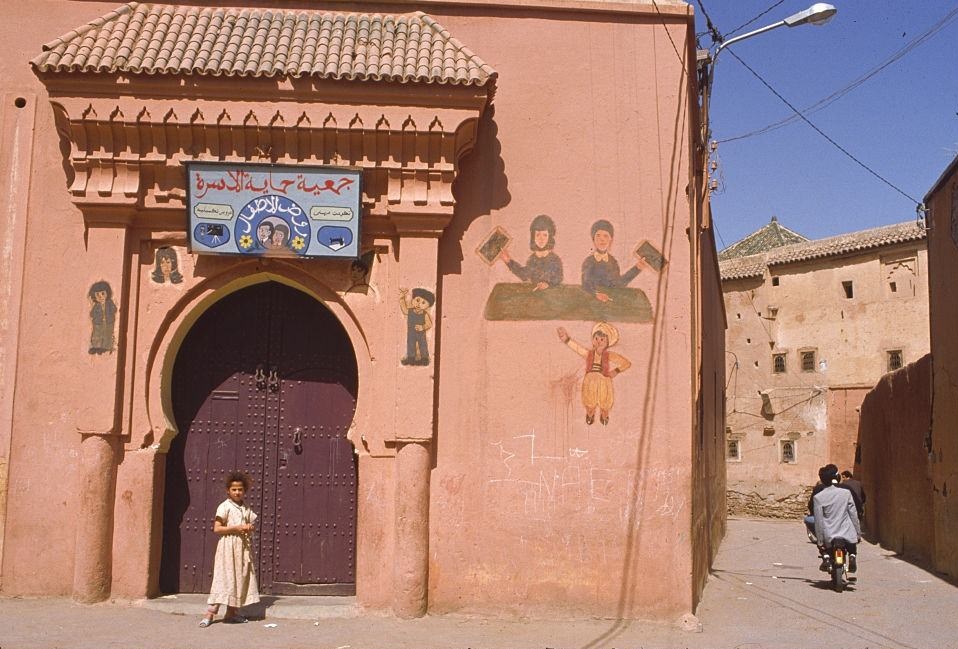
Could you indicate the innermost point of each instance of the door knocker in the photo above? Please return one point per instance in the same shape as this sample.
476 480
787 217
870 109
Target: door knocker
298 440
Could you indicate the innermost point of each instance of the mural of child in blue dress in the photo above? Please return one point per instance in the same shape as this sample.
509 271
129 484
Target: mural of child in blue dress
418 322
600 270
103 318
543 269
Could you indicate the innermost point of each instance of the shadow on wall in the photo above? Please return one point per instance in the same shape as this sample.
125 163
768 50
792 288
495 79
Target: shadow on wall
480 188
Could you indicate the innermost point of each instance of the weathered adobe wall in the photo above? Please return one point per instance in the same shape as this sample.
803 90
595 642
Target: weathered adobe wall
709 486
894 468
816 409
535 512
943 268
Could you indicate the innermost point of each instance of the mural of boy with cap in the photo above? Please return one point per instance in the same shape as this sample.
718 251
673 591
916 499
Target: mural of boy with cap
600 269
601 366
418 322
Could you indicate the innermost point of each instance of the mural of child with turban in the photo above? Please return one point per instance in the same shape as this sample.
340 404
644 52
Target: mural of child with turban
543 268
418 322
103 317
601 366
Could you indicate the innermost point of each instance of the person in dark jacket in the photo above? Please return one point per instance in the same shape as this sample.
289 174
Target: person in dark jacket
855 486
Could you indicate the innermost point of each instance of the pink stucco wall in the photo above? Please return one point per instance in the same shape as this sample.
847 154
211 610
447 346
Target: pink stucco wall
531 510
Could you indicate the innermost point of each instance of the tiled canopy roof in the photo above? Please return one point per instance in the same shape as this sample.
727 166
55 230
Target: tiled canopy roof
167 39
843 244
772 235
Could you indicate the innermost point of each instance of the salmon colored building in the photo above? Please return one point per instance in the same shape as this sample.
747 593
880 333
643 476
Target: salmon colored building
438 275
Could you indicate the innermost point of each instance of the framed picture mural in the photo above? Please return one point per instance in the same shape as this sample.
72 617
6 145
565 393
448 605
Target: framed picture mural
273 210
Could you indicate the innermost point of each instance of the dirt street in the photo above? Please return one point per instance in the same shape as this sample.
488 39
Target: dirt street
765 592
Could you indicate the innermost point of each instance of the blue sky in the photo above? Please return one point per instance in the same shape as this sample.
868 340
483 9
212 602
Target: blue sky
903 122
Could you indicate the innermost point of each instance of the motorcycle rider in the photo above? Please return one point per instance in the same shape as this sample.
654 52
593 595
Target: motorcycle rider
836 517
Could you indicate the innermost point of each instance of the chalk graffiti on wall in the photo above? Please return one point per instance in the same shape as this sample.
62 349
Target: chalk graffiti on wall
604 293
102 318
418 322
601 366
166 267
539 487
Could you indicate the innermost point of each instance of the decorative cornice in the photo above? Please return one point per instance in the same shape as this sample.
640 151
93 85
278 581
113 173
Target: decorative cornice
126 153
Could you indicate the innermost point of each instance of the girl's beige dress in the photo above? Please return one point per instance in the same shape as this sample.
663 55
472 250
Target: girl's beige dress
234 582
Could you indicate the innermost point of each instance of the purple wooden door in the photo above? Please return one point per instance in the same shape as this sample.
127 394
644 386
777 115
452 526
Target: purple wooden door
265 382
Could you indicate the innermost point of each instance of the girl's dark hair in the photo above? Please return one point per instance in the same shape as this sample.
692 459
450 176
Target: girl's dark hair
101 286
237 476
542 223
167 253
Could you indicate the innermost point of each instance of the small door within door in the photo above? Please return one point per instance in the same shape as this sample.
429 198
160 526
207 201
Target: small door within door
265 382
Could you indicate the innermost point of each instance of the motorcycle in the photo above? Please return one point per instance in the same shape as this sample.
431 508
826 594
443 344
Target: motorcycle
838 562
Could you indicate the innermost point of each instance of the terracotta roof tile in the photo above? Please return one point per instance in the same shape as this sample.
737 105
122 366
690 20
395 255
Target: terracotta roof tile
164 39
843 244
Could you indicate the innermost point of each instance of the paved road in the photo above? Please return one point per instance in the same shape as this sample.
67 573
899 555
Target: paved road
765 592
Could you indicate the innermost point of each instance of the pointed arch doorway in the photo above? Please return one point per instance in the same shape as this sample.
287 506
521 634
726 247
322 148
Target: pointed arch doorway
265 381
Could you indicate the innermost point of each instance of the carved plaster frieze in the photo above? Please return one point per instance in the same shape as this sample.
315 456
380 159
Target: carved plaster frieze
126 154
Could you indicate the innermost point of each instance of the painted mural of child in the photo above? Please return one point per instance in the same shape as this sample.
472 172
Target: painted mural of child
418 322
601 366
600 270
234 580
103 318
543 269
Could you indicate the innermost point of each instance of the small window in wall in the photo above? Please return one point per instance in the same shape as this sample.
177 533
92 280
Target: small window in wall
778 363
849 289
774 281
733 451
808 361
788 451
893 287
772 312
738 316
894 360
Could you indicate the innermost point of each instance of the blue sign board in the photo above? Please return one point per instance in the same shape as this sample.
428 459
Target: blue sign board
273 210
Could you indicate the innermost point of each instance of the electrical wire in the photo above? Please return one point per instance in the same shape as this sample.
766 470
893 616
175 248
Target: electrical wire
713 31
669 34
838 94
744 25
821 132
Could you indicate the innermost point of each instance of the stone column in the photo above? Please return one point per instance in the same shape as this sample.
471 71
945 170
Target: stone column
415 408
411 576
98 416
94 546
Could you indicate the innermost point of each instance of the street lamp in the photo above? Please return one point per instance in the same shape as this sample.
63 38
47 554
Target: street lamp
818 14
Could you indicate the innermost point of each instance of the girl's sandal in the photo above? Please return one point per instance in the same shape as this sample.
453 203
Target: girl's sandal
205 622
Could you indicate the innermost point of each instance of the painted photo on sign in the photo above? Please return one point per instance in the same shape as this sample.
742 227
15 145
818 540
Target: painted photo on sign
274 210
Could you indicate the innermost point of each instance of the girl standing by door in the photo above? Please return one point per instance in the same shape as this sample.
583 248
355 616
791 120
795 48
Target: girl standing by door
234 581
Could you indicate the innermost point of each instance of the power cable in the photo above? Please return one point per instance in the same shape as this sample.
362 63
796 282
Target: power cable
822 133
669 34
838 94
744 25
713 31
